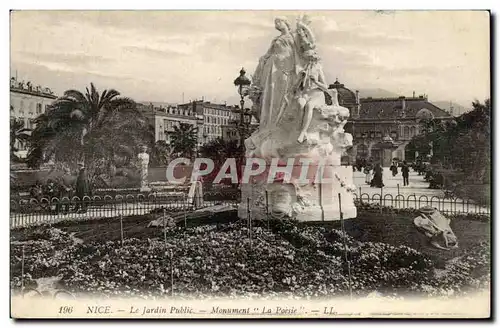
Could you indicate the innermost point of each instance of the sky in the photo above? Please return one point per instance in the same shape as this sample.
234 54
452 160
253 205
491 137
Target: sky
176 56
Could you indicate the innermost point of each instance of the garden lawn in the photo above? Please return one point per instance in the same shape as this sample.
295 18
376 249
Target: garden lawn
398 229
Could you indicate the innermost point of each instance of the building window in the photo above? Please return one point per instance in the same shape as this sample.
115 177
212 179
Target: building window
394 135
412 132
406 132
39 108
362 151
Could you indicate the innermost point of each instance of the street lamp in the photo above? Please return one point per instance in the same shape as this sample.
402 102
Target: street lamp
243 83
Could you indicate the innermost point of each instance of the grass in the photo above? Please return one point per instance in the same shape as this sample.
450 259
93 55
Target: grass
397 229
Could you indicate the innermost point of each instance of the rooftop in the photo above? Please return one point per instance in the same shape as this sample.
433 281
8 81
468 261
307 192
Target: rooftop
29 88
390 108
346 96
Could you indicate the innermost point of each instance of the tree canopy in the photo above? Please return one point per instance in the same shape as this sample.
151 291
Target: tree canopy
19 135
184 140
462 144
92 127
219 150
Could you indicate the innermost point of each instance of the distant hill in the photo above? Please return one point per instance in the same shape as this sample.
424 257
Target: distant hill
457 109
157 104
376 93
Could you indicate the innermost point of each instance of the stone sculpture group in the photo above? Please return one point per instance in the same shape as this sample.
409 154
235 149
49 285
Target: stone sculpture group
297 127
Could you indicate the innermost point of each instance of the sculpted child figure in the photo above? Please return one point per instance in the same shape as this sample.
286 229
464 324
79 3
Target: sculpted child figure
310 90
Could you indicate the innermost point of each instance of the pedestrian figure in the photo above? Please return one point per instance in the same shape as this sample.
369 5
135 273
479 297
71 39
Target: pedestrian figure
82 189
368 174
66 190
405 170
394 169
377 180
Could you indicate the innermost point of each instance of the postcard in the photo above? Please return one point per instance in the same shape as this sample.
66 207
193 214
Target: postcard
250 164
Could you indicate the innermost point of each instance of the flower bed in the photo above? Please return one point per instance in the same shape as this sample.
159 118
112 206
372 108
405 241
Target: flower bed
290 259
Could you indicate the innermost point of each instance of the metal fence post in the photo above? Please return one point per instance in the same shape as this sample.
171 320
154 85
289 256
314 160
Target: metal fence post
344 235
121 227
267 211
22 270
171 272
381 197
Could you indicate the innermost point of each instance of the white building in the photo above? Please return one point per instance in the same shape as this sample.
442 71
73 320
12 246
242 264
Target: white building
26 103
212 120
214 116
166 118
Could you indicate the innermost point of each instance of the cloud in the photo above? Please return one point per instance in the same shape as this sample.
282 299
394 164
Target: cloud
357 38
148 51
72 59
161 55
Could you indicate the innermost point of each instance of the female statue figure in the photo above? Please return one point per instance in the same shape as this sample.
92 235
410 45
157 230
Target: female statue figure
144 162
275 74
310 90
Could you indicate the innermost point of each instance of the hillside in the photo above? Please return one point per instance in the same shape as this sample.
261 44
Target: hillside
457 109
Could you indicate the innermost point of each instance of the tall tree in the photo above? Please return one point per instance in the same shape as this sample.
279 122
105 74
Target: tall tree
183 140
219 150
160 153
463 144
90 127
19 135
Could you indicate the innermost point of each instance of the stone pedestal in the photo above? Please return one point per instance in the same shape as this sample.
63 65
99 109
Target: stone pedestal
321 201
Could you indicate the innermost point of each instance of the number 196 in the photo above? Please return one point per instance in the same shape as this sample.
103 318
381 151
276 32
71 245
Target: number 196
65 309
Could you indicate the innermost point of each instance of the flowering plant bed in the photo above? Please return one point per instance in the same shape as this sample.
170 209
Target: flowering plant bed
285 259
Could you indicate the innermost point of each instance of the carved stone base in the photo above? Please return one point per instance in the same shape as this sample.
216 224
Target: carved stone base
313 202
312 214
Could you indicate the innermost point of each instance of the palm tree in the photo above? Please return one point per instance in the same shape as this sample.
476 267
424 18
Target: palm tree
219 150
19 135
160 153
183 140
90 127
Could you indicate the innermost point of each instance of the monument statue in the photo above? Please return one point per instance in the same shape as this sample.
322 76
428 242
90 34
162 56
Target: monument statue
298 130
144 162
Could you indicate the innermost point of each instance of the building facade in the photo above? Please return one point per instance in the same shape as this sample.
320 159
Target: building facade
383 127
26 103
164 119
216 119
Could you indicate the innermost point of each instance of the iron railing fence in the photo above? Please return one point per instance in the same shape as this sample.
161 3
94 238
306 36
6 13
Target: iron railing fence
29 212
32 211
451 206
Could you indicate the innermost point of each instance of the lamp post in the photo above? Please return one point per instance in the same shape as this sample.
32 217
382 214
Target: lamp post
242 82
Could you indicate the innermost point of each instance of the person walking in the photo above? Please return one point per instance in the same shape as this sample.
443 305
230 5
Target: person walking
82 189
394 169
405 170
377 180
368 174
66 182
